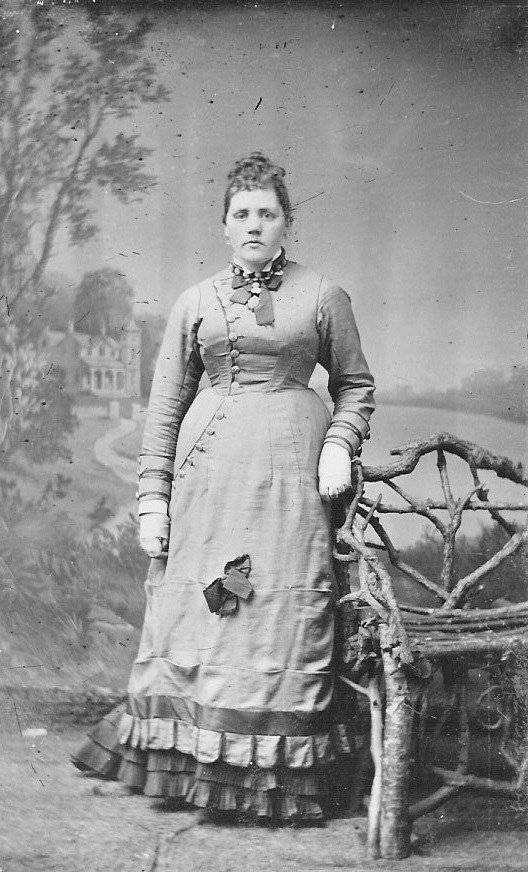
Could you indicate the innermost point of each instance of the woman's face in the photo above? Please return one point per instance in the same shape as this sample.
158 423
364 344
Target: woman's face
255 226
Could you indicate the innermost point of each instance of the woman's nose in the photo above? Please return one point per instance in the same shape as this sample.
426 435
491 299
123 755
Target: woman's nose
254 224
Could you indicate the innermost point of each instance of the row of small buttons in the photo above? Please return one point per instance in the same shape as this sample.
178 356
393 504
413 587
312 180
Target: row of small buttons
200 447
234 353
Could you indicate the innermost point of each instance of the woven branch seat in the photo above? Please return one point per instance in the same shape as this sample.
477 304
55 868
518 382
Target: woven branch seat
455 632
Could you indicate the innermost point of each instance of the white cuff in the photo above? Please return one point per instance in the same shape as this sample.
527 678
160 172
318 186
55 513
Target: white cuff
148 506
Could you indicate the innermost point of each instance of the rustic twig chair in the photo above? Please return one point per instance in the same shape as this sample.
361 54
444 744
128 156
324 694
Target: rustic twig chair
398 648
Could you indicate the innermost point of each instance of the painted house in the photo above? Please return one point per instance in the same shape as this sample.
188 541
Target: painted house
99 365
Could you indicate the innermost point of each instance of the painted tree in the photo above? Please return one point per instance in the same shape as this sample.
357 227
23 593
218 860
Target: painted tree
62 133
103 302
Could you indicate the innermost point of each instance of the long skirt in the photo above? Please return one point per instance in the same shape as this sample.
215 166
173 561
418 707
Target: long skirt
234 708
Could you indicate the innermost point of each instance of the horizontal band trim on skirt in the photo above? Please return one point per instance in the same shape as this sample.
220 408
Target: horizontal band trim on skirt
223 720
282 793
235 749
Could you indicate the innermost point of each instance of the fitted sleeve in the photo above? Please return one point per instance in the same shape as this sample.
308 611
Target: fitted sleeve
350 382
174 387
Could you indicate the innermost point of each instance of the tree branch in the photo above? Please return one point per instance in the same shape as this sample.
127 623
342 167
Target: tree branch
357 687
56 208
488 643
433 801
396 561
388 509
444 479
376 751
474 782
372 565
369 516
470 452
463 587
419 507
358 493
494 508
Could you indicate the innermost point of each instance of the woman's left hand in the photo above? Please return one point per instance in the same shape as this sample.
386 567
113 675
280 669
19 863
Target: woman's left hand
335 476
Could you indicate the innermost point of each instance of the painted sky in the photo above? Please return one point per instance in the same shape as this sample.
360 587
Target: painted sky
403 122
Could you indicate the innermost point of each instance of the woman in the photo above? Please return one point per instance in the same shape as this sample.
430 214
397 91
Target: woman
230 697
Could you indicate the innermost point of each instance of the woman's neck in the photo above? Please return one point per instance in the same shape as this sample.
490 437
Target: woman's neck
256 267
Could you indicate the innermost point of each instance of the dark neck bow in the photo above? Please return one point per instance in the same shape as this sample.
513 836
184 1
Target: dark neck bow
253 288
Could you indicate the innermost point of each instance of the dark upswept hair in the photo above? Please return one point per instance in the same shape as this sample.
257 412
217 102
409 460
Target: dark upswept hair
254 172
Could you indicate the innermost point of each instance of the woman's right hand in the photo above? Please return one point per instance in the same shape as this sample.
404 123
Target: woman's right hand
154 533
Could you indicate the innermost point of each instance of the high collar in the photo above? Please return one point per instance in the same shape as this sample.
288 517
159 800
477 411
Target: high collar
267 266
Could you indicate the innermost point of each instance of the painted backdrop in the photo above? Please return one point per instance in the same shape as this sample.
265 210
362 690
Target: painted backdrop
402 131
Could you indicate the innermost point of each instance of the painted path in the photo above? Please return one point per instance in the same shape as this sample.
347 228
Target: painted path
123 467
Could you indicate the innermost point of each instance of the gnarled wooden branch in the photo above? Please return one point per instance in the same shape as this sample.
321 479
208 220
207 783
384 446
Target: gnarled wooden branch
395 824
371 564
487 643
444 479
463 587
474 782
480 506
396 561
419 507
392 553
494 510
357 482
411 453
477 458
443 616
376 751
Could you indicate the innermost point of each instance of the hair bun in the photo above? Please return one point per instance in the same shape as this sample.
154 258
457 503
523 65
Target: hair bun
255 165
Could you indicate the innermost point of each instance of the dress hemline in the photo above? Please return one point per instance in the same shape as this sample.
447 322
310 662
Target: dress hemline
280 793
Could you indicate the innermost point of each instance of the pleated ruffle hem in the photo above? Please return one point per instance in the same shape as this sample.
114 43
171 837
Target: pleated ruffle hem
153 757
